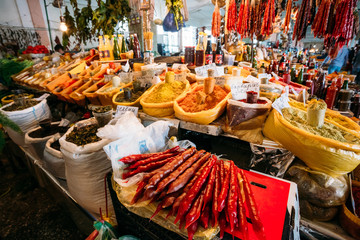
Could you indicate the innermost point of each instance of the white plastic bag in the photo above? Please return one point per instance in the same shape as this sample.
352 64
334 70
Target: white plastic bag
26 119
54 161
150 139
38 144
127 124
29 117
85 170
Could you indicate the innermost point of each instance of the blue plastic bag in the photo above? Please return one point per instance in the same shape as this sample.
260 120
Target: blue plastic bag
169 23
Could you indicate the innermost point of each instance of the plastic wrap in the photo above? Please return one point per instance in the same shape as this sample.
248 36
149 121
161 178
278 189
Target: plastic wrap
313 212
202 117
146 210
270 161
246 120
318 188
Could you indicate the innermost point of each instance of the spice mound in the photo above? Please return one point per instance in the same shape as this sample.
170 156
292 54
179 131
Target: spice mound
17 106
197 101
298 119
166 92
317 105
129 95
84 135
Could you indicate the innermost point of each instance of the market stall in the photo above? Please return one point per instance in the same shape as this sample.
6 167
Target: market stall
229 139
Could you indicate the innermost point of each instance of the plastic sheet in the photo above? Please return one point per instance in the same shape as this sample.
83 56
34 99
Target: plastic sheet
319 188
270 161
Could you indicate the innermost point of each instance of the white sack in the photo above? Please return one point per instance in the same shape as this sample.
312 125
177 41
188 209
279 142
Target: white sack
53 159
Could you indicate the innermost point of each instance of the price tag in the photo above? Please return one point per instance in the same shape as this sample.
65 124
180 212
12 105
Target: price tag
121 110
219 71
180 77
179 66
281 102
220 81
202 71
239 89
251 79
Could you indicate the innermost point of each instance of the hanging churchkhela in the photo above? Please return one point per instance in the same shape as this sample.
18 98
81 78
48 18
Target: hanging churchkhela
216 21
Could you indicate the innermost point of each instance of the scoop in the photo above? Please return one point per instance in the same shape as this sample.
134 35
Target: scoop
209 84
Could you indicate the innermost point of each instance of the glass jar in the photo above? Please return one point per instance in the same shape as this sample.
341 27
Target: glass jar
190 56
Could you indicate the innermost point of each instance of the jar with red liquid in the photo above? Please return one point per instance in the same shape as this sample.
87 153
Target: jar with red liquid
251 97
286 77
190 56
199 57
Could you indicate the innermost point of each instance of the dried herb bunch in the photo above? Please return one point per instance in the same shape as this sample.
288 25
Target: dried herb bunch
84 135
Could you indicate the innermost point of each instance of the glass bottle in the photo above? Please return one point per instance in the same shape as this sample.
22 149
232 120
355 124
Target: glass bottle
319 84
190 56
300 78
136 46
219 54
330 95
200 52
208 53
293 74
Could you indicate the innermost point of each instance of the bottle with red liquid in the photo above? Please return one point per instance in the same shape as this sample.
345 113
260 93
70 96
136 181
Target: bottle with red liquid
319 84
136 46
200 52
219 54
310 85
286 77
330 95
208 53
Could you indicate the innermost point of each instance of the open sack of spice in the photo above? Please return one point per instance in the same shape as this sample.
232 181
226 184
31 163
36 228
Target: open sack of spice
86 164
323 143
26 113
246 111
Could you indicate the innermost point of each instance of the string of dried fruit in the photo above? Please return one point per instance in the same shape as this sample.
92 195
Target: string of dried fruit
302 20
269 18
261 6
231 18
216 21
356 23
240 18
252 18
286 25
321 19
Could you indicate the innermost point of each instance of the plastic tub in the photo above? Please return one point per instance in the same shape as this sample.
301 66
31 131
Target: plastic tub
103 118
65 94
78 95
91 92
107 92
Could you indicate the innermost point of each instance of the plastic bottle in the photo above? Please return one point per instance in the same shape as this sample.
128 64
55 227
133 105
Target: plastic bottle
101 48
108 50
330 95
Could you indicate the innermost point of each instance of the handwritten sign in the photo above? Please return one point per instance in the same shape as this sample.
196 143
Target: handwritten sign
239 89
220 71
121 110
180 77
220 81
281 102
202 71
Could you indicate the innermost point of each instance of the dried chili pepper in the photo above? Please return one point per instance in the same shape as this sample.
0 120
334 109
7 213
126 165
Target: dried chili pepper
192 193
210 185
232 199
224 191
252 207
153 159
205 215
231 19
148 167
195 211
241 208
192 230
169 167
137 157
184 178
222 223
216 192
172 177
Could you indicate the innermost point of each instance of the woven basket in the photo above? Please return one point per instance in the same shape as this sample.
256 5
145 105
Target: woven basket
348 220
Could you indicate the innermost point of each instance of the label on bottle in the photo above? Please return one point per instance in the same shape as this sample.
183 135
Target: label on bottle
208 59
219 59
101 54
106 54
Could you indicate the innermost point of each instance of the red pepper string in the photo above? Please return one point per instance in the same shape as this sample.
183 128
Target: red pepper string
106 198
